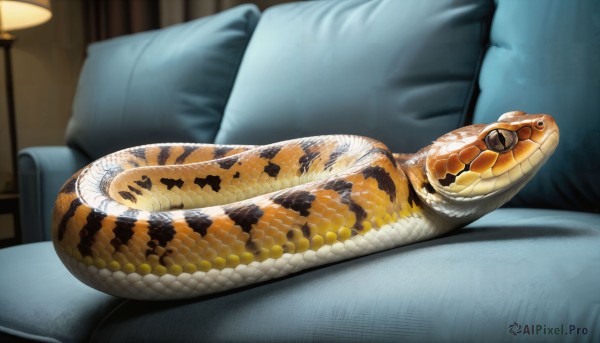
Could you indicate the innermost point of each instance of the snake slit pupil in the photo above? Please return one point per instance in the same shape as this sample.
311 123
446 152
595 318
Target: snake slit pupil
502 139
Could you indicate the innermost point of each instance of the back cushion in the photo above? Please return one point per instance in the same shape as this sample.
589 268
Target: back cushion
398 71
545 58
165 85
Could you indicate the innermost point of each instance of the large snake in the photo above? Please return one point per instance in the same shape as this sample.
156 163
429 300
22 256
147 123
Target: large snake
169 221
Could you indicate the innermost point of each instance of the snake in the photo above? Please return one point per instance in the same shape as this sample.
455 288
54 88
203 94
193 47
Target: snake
173 221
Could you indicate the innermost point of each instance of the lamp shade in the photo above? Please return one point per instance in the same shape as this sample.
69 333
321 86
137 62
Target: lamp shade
20 14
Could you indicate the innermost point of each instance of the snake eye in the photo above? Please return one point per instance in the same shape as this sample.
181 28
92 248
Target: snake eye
501 140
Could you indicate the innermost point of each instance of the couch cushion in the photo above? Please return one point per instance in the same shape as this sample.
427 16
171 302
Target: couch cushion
42 301
398 71
164 85
544 59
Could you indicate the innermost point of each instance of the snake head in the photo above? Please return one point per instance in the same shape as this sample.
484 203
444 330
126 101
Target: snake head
482 160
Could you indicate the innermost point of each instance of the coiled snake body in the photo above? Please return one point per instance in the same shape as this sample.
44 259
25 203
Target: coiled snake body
171 221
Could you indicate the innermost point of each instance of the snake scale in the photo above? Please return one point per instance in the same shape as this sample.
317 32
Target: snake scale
170 221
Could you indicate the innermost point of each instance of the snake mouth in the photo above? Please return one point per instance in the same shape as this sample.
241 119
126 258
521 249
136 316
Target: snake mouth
536 160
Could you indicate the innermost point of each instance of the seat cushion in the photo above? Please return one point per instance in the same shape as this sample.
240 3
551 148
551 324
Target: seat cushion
398 71
42 301
512 269
544 59
165 85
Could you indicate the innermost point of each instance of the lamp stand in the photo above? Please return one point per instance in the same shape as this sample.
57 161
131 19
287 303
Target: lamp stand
6 42
9 203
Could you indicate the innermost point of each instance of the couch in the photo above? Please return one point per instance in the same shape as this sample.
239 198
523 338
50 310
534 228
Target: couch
403 72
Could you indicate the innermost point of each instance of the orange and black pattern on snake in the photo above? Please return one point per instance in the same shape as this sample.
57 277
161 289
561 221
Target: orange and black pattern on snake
170 221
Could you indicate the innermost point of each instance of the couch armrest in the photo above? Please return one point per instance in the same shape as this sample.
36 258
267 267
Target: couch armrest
42 171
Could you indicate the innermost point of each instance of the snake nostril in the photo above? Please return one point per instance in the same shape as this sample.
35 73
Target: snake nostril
539 124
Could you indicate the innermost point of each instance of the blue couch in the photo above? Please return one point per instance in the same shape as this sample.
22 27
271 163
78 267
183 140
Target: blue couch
403 72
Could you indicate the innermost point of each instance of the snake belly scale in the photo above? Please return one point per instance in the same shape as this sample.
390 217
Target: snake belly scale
169 221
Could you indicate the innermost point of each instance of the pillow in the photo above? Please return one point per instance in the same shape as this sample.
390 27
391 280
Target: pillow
544 59
165 85
398 71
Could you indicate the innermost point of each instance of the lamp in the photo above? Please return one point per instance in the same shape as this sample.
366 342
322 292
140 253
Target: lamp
16 15
21 14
